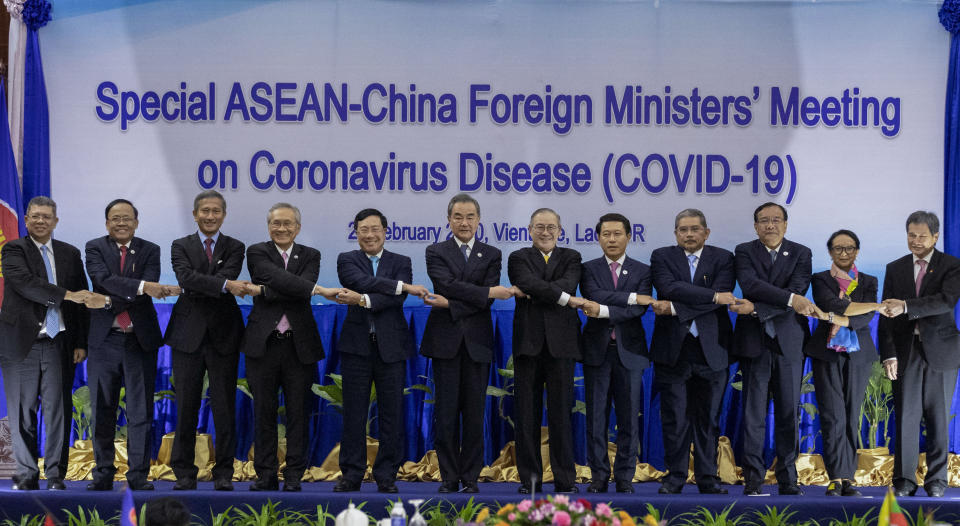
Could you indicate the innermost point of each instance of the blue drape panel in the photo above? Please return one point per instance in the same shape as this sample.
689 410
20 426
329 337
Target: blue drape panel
36 124
951 174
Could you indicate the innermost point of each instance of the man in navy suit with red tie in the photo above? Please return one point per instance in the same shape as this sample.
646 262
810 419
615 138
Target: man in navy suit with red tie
774 274
123 339
691 337
617 289
920 348
375 344
459 340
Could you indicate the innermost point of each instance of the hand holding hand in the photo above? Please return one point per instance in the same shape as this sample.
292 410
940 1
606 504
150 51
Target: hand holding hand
803 306
348 297
326 292
890 367
517 292
171 290
79 355
742 307
436 300
892 307
591 309
576 302
95 301
725 298
237 287
252 289
416 290
645 299
500 293
662 307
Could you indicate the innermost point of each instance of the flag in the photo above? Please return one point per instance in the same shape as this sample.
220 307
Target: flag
128 511
36 124
890 512
11 205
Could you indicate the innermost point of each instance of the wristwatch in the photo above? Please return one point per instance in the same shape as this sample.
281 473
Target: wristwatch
363 301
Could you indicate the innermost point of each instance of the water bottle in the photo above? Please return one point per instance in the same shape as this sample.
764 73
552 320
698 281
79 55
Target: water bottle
398 515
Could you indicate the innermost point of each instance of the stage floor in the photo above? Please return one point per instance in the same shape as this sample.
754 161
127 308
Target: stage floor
204 502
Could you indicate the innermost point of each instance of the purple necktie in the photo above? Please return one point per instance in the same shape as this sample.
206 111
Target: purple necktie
284 324
613 274
208 250
923 270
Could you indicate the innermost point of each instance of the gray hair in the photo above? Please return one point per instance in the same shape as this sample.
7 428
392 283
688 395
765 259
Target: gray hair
209 194
544 211
924 218
690 212
42 200
462 198
278 206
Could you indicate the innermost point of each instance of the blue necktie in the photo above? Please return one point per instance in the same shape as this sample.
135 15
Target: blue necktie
52 321
466 251
375 260
692 258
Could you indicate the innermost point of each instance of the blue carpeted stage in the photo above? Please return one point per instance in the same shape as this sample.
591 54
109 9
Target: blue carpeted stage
205 502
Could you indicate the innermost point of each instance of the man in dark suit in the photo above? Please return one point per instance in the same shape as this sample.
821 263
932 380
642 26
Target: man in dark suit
920 348
204 337
617 289
774 274
43 327
123 340
546 331
459 339
375 343
691 337
282 345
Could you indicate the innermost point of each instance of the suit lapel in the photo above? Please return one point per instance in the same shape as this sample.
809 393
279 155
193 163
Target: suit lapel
549 266
453 252
699 275
476 253
133 254
197 254
782 261
293 259
112 255
931 268
35 259
603 270
60 258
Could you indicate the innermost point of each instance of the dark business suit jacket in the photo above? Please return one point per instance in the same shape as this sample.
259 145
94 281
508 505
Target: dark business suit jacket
142 264
693 301
27 294
355 271
538 318
931 312
466 285
826 294
203 307
596 284
769 288
285 292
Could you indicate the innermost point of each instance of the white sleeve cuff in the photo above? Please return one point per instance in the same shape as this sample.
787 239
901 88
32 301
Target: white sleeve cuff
632 299
564 298
399 290
790 301
366 301
140 288
604 312
673 311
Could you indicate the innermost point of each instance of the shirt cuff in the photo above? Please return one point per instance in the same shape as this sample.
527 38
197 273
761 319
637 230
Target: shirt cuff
604 312
673 311
890 359
140 288
790 301
632 299
399 290
366 301
224 287
564 298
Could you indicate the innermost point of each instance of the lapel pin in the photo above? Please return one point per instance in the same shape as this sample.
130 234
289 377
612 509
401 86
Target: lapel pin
479 255
132 251
624 272
786 253
296 256
219 261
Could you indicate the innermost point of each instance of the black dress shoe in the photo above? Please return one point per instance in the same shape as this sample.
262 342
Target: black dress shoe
560 488
834 489
56 485
387 487
904 488
103 485
935 488
223 485
669 489
790 490
265 485
713 489
624 486
525 489
291 486
185 484
345 486
449 487
597 486
849 490
140 486
470 487
751 491
26 485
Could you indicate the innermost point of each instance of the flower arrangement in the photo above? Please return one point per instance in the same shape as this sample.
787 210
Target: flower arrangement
560 510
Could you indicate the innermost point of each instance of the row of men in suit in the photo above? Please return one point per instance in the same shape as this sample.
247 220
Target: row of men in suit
689 347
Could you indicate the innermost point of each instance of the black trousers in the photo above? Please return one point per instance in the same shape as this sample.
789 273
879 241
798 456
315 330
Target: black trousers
771 374
460 393
188 370
920 391
840 387
690 398
531 374
280 368
121 359
612 384
359 374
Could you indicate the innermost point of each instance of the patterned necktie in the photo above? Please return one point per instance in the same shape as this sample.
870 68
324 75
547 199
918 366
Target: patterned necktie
773 256
923 270
465 250
284 324
123 319
52 321
614 266
692 259
208 249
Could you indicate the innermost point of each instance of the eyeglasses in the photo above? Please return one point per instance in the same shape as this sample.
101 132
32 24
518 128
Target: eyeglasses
696 229
40 217
843 250
283 224
545 228
770 221
364 230
117 220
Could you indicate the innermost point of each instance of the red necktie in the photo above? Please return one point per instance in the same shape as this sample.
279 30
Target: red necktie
208 250
123 319
923 270
613 274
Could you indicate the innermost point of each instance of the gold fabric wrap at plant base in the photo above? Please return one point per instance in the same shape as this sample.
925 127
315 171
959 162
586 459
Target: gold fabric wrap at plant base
874 466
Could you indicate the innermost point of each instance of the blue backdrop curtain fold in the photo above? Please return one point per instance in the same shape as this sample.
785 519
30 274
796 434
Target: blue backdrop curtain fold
36 124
